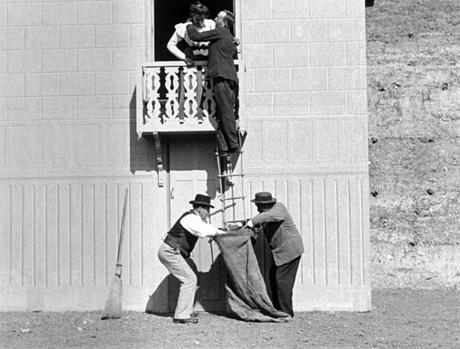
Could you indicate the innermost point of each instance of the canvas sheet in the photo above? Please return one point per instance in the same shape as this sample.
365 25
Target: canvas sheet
246 291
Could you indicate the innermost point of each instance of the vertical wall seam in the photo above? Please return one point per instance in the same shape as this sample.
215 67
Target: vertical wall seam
117 231
312 227
70 233
299 188
350 252
22 235
142 232
46 234
34 235
11 235
129 234
94 234
361 238
82 265
337 230
58 240
106 236
326 274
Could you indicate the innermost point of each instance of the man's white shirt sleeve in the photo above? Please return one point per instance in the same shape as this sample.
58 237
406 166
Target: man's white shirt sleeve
197 227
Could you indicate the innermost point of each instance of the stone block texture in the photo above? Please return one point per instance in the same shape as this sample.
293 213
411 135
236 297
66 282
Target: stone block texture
305 107
68 145
291 48
54 51
67 81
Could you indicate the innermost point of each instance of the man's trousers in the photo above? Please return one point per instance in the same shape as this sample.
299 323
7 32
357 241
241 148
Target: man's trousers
179 268
225 92
282 283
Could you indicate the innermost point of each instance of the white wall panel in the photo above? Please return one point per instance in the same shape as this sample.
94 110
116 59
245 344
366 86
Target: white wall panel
60 239
329 213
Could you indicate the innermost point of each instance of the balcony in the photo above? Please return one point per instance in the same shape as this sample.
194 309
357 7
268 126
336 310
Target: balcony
175 98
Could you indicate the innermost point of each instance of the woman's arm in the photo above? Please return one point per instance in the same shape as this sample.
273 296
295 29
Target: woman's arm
172 47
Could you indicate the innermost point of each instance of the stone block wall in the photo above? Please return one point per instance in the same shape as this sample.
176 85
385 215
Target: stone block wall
305 107
68 149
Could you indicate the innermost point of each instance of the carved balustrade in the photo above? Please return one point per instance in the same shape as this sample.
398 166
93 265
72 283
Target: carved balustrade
175 98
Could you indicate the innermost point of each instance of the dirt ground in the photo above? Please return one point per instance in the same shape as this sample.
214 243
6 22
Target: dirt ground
400 319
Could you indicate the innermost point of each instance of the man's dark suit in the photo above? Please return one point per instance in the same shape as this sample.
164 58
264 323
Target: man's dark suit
287 247
222 71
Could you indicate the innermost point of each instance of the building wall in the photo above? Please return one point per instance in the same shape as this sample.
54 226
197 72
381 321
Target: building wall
68 148
305 104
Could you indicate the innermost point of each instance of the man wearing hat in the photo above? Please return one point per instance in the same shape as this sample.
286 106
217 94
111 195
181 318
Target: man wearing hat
175 252
286 246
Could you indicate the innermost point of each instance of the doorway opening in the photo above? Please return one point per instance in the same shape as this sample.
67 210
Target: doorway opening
168 13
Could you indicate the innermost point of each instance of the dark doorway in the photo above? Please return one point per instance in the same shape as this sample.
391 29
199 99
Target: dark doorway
170 12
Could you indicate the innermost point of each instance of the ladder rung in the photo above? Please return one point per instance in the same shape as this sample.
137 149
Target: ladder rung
232 175
232 198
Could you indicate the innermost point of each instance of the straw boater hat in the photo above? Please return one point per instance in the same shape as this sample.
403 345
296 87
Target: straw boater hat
202 200
264 197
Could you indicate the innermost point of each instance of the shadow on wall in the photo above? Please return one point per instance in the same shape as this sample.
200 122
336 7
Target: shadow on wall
192 151
192 165
168 291
141 150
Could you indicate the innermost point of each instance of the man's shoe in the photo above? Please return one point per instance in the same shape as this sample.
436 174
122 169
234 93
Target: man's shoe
186 321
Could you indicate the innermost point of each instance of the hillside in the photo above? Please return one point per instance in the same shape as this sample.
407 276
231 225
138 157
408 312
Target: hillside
413 56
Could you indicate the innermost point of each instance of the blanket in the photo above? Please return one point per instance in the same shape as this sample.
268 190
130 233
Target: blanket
246 291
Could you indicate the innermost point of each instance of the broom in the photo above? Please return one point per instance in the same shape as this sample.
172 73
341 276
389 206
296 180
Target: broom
112 308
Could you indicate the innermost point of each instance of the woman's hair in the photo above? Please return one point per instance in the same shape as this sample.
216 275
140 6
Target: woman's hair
198 8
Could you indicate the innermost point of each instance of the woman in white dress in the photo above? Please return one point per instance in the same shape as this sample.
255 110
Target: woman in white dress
194 50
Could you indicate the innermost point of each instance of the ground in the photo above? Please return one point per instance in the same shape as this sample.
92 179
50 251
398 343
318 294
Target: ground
401 318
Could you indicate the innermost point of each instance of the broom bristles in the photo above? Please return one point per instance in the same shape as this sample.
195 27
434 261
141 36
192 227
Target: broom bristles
112 308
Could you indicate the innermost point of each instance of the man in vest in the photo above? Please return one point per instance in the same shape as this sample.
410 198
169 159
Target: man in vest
285 243
176 249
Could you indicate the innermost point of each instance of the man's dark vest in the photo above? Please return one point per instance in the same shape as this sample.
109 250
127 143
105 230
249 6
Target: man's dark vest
179 237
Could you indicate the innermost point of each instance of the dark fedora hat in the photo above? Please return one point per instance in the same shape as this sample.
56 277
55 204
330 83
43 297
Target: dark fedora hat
264 197
202 200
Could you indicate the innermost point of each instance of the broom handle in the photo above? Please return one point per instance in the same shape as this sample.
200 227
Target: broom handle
122 230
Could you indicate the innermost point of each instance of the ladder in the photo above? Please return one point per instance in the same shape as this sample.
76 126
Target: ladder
227 182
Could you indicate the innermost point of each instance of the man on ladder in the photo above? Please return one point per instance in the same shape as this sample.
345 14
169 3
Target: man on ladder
222 71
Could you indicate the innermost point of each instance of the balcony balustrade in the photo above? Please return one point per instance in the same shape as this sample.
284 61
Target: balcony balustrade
175 98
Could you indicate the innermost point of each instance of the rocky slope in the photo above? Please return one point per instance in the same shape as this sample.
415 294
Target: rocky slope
413 56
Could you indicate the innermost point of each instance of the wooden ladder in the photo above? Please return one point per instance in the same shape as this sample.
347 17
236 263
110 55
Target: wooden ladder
228 195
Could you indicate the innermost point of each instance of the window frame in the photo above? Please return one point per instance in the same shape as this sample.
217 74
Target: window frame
149 51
